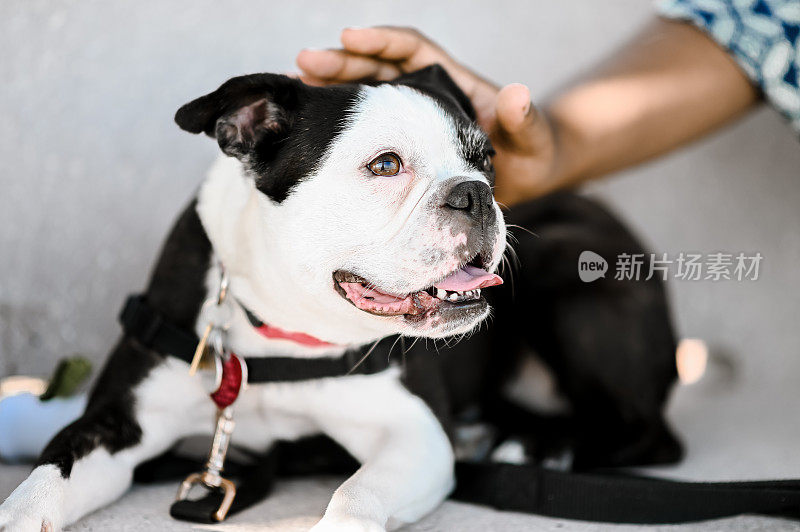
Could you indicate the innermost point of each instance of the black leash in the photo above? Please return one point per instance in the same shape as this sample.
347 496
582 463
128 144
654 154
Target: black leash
619 498
255 473
255 481
612 498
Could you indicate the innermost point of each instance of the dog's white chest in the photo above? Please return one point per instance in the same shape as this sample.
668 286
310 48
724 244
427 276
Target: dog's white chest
356 409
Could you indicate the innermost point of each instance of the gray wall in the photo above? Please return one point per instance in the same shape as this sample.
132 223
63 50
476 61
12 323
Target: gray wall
94 170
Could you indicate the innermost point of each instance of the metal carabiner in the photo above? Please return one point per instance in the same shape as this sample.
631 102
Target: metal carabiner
211 477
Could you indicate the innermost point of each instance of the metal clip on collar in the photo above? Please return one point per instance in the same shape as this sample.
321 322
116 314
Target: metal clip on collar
227 390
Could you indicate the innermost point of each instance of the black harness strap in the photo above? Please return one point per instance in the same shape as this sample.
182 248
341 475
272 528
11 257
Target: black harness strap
254 480
141 321
613 498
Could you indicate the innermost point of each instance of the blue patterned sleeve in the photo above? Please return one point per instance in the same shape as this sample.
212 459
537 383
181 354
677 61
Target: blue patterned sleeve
761 35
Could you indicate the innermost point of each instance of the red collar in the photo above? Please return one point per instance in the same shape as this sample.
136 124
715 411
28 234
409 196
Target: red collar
272 332
269 331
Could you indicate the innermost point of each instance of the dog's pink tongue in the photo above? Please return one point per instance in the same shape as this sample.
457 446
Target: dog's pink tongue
469 278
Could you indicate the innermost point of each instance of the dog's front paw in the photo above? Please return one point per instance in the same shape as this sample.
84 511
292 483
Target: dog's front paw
17 520
35 506
346 524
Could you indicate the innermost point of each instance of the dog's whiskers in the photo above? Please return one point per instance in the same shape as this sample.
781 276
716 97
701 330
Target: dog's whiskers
362 359
389 356
523 229
413 344
508 255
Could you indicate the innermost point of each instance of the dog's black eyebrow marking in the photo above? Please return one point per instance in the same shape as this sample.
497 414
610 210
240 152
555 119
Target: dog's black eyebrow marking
317 122
475 146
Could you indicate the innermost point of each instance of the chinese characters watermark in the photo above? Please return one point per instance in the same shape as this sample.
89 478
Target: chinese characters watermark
684 267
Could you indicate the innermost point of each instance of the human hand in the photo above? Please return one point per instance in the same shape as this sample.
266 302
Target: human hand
525 163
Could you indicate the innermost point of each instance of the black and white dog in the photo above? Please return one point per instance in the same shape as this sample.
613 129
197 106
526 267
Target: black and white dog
347 214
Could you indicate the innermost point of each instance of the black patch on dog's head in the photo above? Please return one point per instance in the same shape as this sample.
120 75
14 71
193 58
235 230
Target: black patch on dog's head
435 82
278 126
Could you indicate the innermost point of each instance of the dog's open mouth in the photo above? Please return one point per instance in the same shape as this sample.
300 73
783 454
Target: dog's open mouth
461 289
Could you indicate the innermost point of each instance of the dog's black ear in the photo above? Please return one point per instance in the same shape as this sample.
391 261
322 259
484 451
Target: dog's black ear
243 112
435 80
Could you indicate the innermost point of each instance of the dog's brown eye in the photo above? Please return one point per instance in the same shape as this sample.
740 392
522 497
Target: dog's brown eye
486 163
386 165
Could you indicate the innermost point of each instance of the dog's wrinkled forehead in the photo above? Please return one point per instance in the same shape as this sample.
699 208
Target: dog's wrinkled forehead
282 129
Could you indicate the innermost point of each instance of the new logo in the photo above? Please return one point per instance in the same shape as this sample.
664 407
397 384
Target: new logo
591 266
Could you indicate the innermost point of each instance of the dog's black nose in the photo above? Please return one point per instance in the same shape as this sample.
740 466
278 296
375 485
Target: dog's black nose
474 197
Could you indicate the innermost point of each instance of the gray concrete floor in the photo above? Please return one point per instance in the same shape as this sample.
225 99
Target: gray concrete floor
728 435
297 504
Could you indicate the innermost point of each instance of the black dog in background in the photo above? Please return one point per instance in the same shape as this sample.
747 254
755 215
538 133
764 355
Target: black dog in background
609 344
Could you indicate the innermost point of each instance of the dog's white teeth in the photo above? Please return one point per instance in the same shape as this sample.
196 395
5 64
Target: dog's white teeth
456 297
